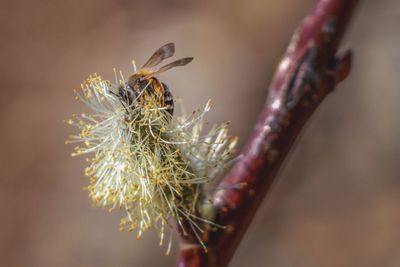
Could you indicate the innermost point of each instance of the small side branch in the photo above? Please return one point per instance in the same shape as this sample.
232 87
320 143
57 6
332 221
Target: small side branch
309 70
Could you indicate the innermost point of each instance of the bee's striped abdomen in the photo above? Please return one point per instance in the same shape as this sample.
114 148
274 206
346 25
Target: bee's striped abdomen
168 99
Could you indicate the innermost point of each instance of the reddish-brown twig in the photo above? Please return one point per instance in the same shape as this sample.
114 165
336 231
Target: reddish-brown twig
308 71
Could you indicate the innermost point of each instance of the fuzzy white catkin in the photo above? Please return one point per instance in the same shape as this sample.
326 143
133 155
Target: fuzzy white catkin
149 163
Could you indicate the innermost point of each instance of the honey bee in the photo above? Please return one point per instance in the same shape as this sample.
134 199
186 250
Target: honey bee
143 82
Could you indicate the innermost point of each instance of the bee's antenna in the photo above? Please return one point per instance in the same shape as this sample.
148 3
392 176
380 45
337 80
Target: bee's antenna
114 94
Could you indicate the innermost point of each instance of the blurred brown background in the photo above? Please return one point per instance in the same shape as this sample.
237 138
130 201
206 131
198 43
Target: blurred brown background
337 200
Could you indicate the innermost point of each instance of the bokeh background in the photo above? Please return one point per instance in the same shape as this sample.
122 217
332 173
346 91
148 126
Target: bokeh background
337 199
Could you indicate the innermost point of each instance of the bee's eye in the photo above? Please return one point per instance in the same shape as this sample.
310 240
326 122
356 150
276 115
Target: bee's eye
121 92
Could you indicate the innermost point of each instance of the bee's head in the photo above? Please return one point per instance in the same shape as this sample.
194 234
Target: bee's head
137 83
129 91
126 94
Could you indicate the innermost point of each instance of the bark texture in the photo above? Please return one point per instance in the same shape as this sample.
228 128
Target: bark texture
309 70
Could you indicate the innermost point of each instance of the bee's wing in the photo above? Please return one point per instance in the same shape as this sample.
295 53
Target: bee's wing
162 53
176 63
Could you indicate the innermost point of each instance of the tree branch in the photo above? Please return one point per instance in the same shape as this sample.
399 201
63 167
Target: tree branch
308 71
